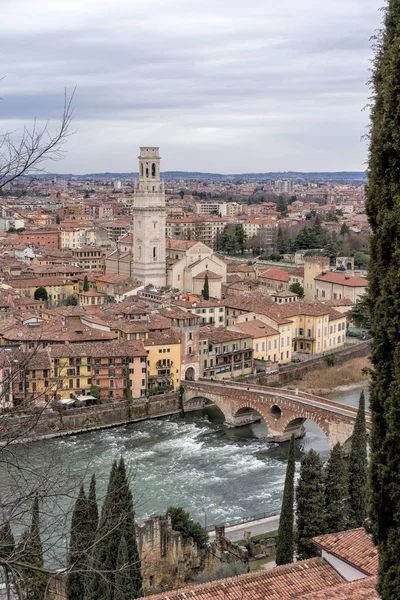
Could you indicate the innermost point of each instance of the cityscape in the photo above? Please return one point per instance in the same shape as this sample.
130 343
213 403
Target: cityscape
199 361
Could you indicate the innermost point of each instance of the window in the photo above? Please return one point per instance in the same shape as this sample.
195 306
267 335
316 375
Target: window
143 369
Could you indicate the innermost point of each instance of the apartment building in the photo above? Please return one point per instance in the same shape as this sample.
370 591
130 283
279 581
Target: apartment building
225 354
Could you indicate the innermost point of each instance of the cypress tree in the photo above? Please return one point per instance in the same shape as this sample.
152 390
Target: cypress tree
123 586
310 504
206 289
117 521
78 547
93 512
32 580
284 548
383 209
358 467
85 284
336 491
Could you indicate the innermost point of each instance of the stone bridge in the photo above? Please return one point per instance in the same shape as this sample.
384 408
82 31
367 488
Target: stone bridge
284 411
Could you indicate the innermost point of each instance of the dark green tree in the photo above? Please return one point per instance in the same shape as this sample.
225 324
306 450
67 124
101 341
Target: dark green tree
240 237
285 543
31 579
310 500
117 520
384 291
58 220
182 522
360 313
123 586
344 230
86 284
336 491
78 548
40 293
358 469
383 209
297 288
282 207
93 512
206 289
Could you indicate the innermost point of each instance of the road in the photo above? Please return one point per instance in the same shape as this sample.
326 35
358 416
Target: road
236 532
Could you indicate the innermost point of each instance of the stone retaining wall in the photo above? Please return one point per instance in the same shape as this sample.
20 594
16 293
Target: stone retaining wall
52 423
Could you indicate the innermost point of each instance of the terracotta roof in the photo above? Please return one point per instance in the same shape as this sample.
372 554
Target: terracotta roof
220 334
210 275
339 302
354 547
256 328
161 338
342 279
299 272
289 581
98 349
92 294
364 589
276 274
180 244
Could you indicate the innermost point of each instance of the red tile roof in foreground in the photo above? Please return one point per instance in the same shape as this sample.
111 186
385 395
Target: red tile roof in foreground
364 589
353 546
289 581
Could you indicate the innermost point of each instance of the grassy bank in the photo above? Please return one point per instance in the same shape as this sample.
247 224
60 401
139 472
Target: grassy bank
323 381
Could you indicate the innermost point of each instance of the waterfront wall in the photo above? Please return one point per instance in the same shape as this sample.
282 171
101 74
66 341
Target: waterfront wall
67 421
294 371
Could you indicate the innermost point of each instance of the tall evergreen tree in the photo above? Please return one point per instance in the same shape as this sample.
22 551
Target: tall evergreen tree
383 209
123 589
117 520
206 289
310 504
284 548
78 548
358 468
32 579
93 511
85 284
336 491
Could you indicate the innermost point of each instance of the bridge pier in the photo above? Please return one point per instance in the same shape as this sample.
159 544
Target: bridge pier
241 419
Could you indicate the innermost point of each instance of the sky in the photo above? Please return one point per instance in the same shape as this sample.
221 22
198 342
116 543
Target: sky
227 86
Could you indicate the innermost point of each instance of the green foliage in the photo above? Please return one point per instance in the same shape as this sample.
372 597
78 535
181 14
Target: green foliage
282 207
344 230
310 500
86 284
331 217
297 288
117 521
206 290
95 392
329 359
358 468
58 220
78 548
233 239
32 581
222 571
40 293
361 259
360 313
129 397
182 522
284 548
310 237
336 491
123 585
7 549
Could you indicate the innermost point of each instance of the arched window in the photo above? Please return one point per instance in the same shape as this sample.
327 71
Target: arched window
147 171
142 168
140 252
154 253
153 170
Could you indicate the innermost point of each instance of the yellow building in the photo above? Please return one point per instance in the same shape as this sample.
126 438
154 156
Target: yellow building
164 361
266 340
57 288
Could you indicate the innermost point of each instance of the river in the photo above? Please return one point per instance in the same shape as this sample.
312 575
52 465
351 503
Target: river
217 474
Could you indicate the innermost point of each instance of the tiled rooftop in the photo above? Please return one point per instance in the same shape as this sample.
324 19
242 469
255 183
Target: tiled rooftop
289 581
354 547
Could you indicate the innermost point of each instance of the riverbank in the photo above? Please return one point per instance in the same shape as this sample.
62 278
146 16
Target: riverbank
351 374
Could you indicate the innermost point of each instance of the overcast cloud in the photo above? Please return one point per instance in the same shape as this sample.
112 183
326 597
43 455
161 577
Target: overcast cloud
220 85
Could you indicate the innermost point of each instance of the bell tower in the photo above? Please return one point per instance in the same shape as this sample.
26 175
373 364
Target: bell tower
149 212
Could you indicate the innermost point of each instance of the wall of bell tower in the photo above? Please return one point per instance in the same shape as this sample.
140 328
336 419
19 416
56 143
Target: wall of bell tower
149 213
